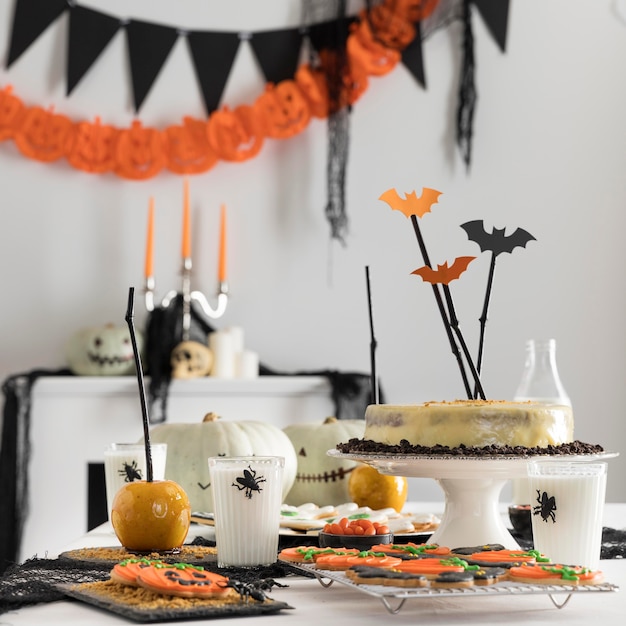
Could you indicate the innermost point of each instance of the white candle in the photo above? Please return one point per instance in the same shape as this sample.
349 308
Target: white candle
247 364
221 344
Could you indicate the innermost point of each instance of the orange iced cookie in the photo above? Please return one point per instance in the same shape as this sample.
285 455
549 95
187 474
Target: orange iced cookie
431 568
345 561
555 575
506 557
182 579
413 549
309 554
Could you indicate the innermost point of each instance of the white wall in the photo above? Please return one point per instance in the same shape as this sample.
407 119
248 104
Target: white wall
549 155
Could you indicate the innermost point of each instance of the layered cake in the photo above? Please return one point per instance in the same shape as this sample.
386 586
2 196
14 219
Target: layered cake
474 423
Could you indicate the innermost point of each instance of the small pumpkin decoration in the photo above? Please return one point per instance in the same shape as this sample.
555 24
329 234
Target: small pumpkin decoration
282 110
188 150
102 351
190 445
235 135
139 152
191 359
322 479
11 113
43 135
93 147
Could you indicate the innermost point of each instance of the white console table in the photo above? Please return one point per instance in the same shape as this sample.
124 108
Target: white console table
74 418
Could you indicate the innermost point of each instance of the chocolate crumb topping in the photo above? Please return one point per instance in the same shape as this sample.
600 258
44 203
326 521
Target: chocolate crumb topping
404 447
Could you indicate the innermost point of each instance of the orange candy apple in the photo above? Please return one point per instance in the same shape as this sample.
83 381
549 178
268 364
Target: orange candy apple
151 516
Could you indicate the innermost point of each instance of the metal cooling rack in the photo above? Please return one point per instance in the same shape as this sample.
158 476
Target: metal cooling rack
393 598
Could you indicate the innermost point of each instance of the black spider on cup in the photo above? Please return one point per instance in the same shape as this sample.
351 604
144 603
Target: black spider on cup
130 471
249 482
546 506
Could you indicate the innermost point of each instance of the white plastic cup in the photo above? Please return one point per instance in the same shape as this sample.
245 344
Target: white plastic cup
247 496
126 463
568 502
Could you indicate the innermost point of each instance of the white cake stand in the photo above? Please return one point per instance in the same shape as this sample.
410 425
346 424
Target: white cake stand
472 487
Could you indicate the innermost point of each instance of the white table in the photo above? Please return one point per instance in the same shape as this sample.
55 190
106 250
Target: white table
314 605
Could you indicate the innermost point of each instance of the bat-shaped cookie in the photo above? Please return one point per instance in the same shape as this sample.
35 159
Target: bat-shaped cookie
444 274
411 204
496 241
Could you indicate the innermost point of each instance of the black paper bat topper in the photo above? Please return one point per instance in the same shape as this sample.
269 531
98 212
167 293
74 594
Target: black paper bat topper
496 241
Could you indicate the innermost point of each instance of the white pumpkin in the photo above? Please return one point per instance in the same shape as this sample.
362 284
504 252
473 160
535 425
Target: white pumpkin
190 445
322 479
102 351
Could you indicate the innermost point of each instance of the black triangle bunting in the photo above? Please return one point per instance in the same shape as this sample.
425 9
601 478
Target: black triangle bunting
495 13
413 59
278 52
149 45
30 19
89 34
330 35
213 54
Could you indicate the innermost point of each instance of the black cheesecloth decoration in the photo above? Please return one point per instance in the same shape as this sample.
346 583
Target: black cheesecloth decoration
467 89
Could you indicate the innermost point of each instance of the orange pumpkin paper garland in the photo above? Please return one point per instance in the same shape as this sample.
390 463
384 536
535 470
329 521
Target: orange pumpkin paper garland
194 146
93 147
11 112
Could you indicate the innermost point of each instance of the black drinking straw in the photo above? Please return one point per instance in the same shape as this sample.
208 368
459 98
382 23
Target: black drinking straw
140 381
442 309
373 375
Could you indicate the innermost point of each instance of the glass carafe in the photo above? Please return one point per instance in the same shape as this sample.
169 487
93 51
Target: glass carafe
540 382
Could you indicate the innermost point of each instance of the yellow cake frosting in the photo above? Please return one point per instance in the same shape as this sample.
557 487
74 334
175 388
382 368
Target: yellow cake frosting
470 422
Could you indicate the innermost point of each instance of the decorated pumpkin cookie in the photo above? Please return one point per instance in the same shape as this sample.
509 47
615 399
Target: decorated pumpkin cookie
506 558
309 554
555 575
182 579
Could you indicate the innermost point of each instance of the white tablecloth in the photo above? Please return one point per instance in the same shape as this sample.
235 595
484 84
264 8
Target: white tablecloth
315 605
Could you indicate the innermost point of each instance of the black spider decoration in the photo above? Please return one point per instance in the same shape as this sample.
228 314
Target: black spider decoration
546 507
255 590
130 471
249 482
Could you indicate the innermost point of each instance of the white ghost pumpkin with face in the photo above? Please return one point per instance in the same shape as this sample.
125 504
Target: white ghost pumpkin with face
322 479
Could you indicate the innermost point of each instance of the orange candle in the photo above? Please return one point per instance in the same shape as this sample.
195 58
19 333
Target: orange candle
149 268
186 223
221 268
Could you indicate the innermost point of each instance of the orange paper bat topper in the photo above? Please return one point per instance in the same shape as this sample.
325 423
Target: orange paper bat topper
411 204
444 274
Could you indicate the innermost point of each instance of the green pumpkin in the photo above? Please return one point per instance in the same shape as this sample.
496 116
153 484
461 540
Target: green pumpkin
102 351
321 479
189 447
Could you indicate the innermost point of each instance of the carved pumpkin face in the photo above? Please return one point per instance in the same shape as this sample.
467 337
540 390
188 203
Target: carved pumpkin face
321 479
102 351
11 111
188 149
235 135
283 110
191 359
93 147
139 152
43 135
